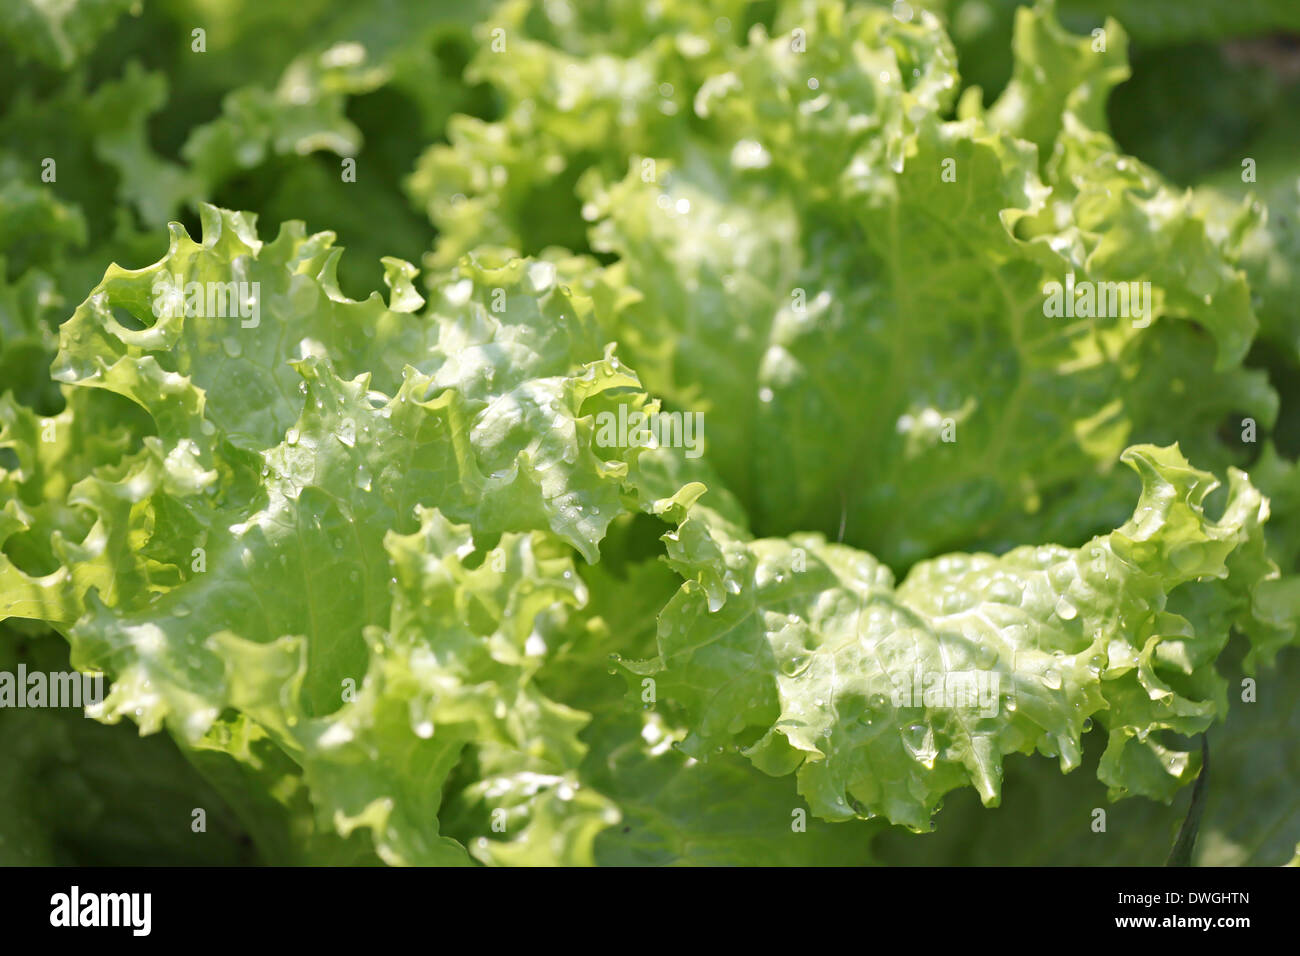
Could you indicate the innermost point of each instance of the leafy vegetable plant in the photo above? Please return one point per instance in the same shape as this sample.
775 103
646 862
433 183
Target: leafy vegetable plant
780 438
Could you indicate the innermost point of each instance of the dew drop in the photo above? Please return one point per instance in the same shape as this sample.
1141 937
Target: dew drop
916 738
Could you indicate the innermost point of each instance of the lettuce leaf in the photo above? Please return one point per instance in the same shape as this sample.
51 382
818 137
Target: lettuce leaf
789 252
802 653
377 567
238 558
